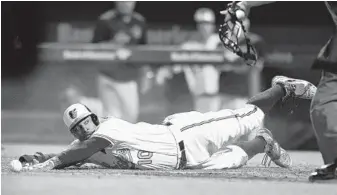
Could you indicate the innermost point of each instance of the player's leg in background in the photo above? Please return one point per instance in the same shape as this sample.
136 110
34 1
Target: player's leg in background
109 97
209 100
203 83
324 114
128 93
119 99
179 99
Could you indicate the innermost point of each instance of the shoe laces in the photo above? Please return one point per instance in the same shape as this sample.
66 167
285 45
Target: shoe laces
290 95
266 160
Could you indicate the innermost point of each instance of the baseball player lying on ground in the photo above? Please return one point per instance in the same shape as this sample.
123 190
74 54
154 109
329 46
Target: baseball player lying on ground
192 140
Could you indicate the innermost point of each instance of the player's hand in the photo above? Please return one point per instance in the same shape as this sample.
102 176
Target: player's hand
146 80
28 160
163 74
47 165
233 32
240 6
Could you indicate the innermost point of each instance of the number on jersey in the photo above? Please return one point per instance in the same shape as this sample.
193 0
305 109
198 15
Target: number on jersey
144 157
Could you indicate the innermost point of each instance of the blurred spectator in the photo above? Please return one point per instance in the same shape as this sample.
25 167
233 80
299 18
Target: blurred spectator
21 34
203 80
73 94
117 85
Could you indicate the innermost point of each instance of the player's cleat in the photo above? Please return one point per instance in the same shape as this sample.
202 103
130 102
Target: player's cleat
326 172
295 87
273 150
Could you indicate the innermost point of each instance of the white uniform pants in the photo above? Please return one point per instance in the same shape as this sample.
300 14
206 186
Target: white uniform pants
206 136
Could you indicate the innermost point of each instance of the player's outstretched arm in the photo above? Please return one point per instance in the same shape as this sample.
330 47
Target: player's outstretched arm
40 157
73 155
256 3
245 6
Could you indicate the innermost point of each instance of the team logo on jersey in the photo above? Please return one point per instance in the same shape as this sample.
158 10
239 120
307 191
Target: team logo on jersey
73 113
136 31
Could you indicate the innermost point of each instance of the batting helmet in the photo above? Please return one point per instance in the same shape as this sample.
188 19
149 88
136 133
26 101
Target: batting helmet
76 113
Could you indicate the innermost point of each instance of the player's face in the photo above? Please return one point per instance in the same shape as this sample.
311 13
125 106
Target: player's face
125 7
84 129
206 29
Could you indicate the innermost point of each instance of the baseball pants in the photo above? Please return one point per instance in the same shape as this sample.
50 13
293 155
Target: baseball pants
323 115
209 137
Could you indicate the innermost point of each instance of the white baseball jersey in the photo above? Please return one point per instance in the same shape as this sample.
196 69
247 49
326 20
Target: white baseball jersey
140 145
208 140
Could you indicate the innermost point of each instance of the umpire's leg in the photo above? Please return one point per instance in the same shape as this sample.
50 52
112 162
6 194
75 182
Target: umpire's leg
324 116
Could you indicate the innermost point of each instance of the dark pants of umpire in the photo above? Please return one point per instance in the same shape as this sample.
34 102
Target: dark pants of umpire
323 115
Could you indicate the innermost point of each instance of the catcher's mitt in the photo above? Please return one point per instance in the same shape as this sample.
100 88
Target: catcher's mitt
230 33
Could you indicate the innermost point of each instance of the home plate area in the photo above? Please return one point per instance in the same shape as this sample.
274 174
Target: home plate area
90 179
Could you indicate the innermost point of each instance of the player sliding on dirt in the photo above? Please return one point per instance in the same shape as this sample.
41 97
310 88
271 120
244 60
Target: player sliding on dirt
192 140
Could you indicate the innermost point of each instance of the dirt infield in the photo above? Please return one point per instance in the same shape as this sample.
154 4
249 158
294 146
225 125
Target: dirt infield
251 179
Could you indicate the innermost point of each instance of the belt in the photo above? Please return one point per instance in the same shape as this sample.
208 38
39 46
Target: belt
183 159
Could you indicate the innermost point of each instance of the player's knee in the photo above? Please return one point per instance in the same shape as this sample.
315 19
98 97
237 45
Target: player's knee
231 157
240 157
257 116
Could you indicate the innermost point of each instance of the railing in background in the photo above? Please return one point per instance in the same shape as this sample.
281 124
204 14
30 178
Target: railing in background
170 34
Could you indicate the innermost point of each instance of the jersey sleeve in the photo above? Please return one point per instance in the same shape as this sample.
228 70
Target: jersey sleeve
80 152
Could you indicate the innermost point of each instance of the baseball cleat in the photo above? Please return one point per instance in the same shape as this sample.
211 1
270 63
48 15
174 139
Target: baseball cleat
295 87
325 172
273 150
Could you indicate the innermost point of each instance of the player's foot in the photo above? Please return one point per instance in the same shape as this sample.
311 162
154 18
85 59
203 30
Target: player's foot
295 87
273 150
325 172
